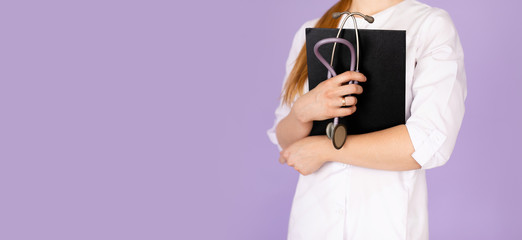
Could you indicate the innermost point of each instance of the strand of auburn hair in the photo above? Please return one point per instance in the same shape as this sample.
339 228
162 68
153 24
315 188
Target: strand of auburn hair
294 85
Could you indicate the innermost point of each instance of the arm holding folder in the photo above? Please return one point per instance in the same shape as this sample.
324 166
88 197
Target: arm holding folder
388 149
426 139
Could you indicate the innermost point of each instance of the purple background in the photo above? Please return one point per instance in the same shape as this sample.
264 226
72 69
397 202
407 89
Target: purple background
147 120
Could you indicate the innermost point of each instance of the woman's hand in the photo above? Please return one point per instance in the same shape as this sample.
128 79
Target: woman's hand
308 154
325 100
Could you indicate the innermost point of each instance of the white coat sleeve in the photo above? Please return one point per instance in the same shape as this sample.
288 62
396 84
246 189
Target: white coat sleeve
439 91
283 110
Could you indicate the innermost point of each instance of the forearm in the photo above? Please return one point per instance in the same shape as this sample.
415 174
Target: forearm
290 129
388 149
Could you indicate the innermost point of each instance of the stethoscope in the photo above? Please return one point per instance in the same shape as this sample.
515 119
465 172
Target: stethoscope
337 131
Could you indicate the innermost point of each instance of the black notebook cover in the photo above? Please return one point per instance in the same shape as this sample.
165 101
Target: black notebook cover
382 56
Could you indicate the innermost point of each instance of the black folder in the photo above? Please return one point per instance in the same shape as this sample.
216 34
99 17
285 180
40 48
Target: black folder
382 59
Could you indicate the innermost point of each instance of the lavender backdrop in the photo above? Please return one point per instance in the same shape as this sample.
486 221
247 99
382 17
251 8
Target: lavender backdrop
147 119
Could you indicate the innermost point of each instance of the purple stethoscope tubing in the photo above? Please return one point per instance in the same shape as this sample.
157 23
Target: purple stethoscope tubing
332 127
331 71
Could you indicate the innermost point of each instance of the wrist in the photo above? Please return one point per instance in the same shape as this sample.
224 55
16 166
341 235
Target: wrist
296 113
328 150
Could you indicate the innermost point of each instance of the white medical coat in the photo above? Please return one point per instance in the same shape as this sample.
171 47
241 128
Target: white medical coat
341 201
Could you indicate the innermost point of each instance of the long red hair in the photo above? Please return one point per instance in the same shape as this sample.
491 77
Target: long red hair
297 77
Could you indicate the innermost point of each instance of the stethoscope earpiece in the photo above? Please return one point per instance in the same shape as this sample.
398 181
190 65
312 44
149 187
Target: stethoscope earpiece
336 131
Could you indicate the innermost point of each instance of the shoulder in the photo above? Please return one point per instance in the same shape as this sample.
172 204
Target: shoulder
300 35
429 17
310 23
416 15
412 14
420 10
431 27
299 40
437 17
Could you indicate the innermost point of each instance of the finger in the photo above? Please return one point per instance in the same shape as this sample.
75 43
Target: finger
286 154
290 163
302 172
342 112
349 89
282 160
348 101
347 76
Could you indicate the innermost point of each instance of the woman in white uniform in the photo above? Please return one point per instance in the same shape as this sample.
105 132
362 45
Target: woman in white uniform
374 187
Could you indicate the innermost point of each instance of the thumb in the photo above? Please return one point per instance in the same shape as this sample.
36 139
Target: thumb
282 156
282 160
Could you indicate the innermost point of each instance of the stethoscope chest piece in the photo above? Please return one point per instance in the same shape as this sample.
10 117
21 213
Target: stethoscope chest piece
337 133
